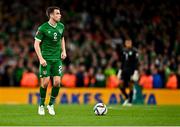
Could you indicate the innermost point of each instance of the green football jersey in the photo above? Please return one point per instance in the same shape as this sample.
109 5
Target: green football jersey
50 37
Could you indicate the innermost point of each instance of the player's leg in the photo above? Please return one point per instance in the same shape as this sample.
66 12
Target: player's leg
56 73
43 88
44 81
131 85
123 86
54 94
55 89
127 78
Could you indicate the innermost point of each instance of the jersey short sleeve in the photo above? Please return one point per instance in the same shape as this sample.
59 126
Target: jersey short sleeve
39 34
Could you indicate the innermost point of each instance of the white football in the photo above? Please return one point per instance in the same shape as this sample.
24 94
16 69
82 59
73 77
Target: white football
100 109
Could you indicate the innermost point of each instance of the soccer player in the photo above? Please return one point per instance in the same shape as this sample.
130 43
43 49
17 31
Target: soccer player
50 48
128 72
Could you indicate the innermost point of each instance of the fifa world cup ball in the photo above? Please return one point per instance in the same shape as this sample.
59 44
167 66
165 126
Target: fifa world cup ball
100 109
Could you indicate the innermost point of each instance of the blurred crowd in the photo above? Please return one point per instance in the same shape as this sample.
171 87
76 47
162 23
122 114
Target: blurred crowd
93 32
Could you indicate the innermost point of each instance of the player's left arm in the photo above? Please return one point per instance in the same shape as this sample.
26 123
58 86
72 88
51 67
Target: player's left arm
63 54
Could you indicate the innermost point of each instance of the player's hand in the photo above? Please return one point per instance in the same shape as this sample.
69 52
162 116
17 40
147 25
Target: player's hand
43 62
135 76
63 55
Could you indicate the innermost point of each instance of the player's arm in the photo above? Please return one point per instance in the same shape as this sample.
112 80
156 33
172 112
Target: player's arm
38 52
38 38
63 54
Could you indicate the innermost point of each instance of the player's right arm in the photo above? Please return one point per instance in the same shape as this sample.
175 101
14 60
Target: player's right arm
38 38
38 52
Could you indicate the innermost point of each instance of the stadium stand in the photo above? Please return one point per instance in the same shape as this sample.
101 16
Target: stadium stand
92 37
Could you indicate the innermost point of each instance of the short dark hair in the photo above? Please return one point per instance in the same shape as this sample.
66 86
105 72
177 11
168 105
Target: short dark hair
50 10
127 38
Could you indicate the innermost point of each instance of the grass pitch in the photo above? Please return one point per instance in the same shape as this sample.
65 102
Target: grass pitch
82 115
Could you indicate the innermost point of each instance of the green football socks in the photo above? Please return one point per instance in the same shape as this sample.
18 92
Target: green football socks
54 93
42 95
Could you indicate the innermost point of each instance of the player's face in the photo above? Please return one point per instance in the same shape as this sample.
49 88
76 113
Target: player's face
56 15
128 43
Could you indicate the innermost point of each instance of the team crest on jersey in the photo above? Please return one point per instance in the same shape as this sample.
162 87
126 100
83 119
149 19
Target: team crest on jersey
130 53
44 72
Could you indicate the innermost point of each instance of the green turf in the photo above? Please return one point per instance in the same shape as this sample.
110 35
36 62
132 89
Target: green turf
83 115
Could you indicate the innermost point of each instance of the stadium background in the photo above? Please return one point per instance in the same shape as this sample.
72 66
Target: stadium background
93 31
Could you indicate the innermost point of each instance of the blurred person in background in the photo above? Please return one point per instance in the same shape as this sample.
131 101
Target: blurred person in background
100 78
157 80
80 76
29 79
50 48
7 77
69 78
172 82
146 79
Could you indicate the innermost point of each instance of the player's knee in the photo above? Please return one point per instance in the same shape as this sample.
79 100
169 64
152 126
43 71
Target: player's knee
56 83
45 83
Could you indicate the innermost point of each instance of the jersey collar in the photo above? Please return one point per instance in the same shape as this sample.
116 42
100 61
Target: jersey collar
54 26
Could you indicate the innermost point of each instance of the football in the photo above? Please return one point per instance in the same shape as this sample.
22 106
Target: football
100 109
